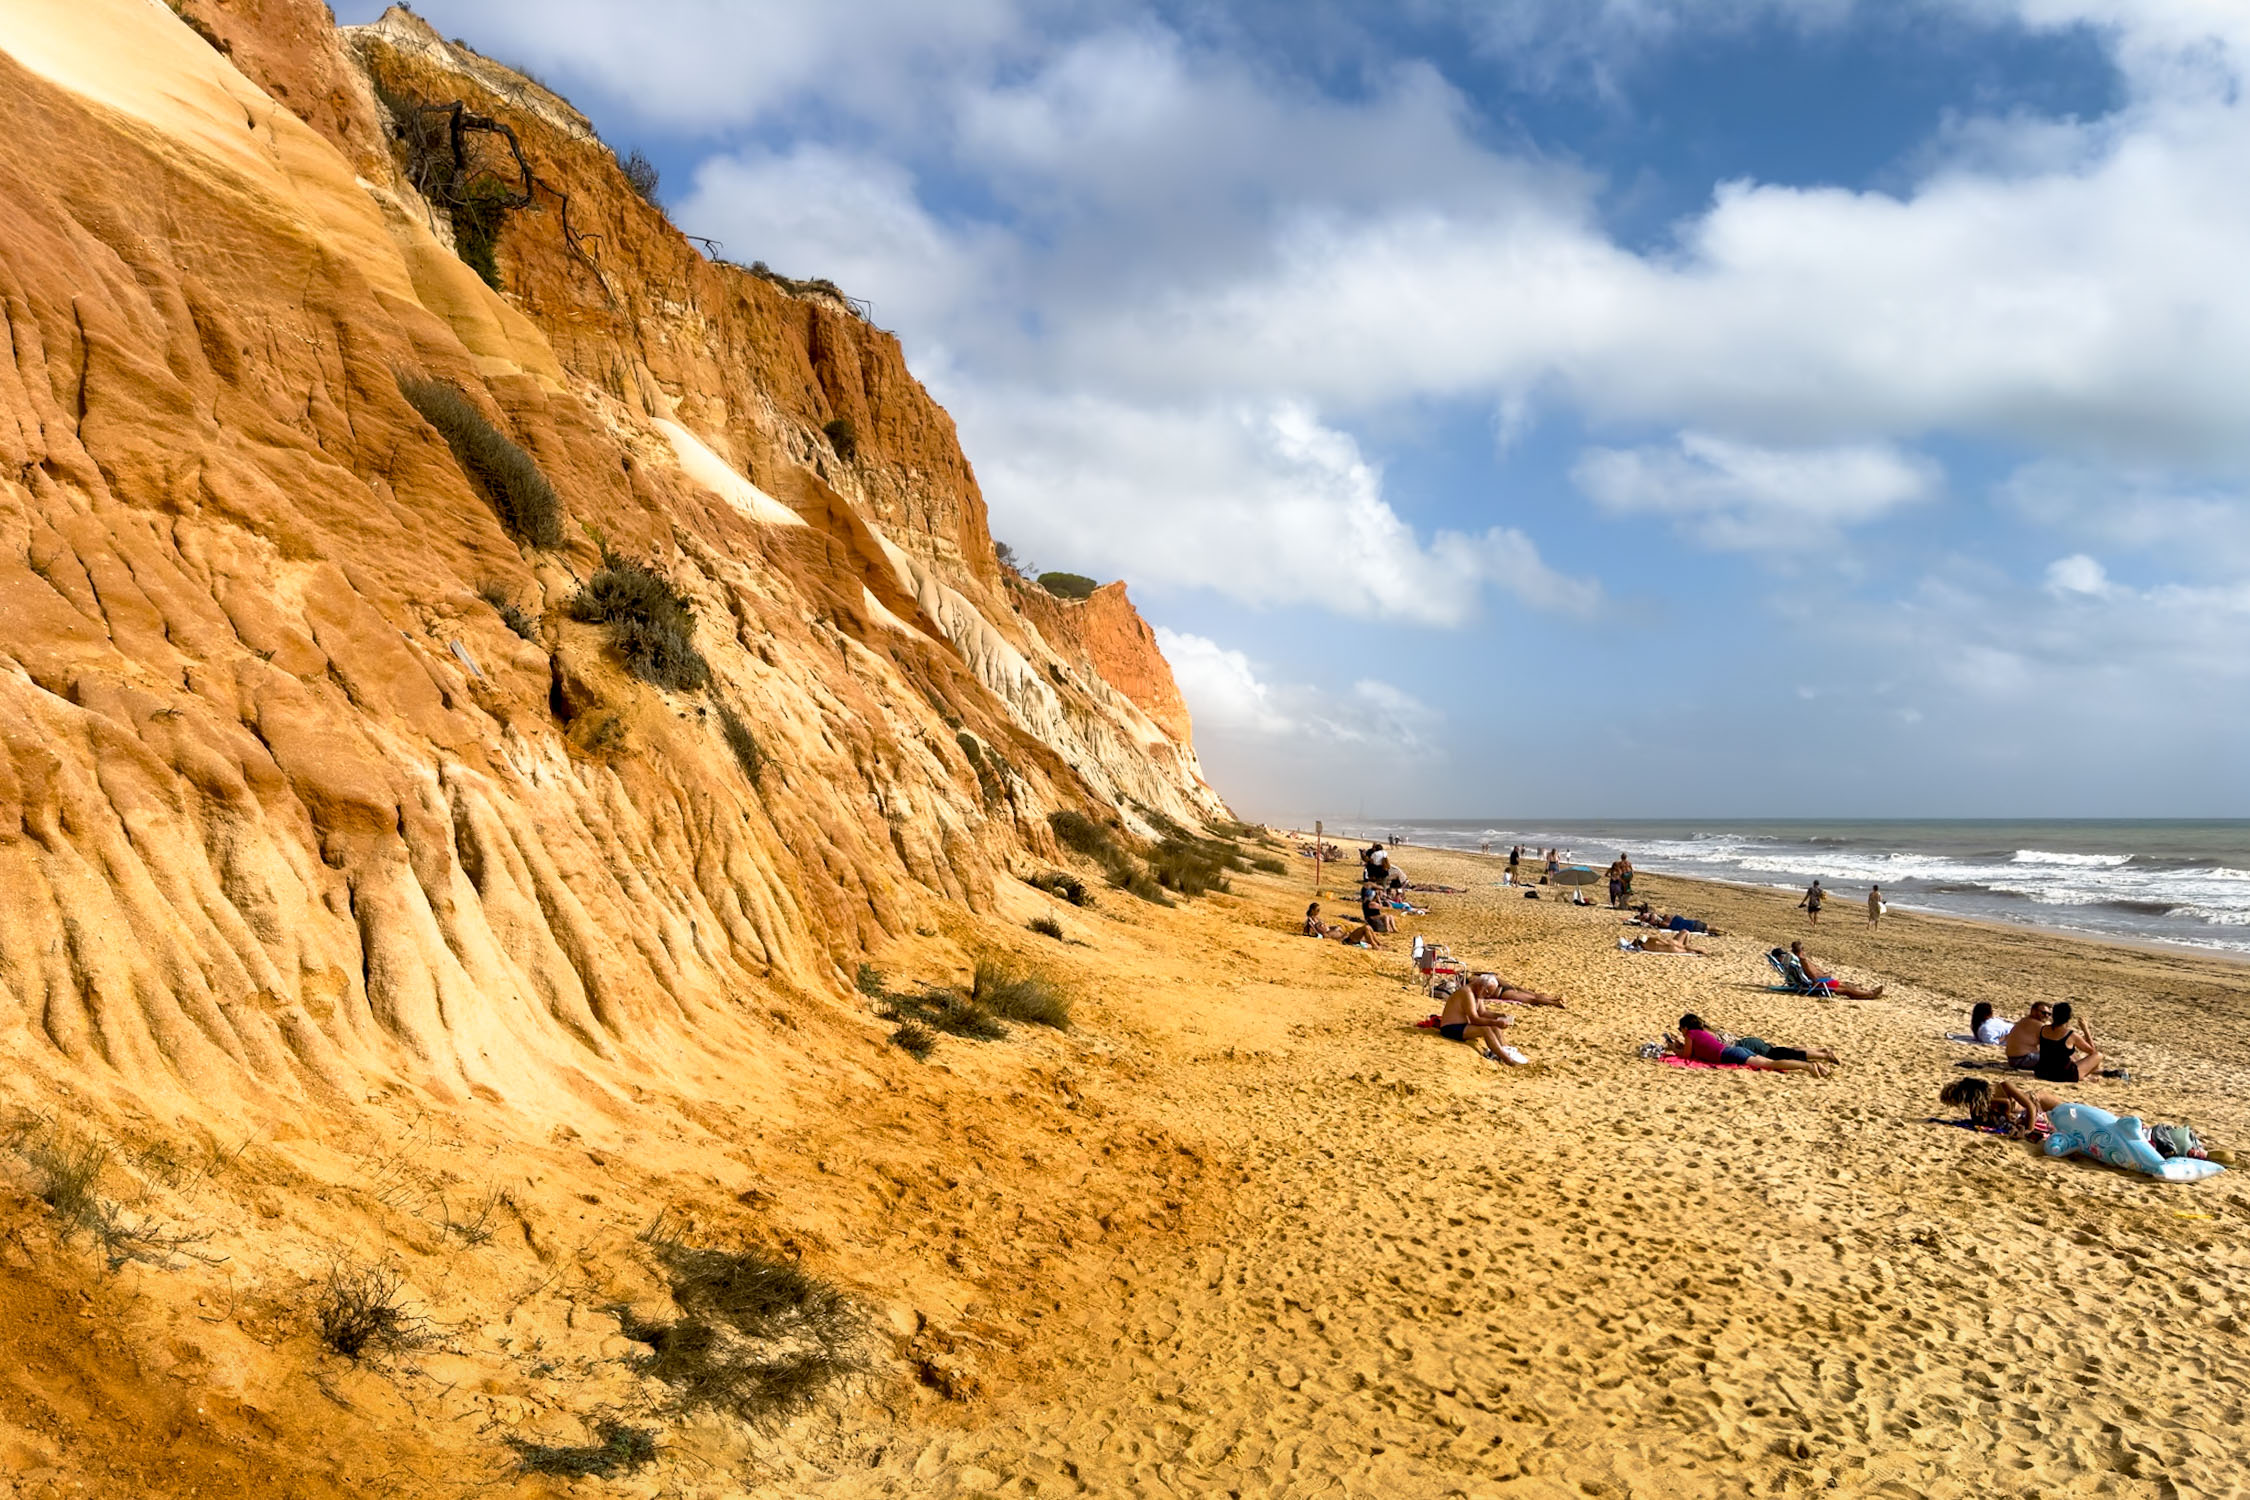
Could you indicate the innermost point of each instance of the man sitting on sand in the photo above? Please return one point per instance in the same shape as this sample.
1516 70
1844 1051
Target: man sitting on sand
2022 1041
1697 1043
1662 942
1465 1019
1816 973
1490 986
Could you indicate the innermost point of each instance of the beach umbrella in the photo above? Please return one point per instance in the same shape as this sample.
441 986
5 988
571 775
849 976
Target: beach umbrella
1576 875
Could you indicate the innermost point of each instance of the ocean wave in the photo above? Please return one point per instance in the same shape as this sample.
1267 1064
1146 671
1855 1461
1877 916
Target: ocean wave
2087 861
2215 916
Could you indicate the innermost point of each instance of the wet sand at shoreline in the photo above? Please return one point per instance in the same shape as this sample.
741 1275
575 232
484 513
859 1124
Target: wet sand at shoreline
1424 1274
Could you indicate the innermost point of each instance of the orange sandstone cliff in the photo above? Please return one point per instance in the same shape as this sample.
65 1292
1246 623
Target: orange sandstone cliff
300 839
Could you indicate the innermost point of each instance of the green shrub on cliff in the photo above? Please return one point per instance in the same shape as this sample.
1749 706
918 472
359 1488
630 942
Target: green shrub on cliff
1068 585
651 624
527 505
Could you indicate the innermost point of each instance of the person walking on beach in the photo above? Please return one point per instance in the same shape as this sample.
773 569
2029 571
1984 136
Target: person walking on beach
1814 896
1875 907
1625 869
1616 883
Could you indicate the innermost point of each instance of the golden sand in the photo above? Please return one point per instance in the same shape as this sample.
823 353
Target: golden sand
1435 1276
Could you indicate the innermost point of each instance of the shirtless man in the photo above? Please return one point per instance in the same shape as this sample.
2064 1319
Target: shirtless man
1490 986
2022 1045
1465 1019
1842 987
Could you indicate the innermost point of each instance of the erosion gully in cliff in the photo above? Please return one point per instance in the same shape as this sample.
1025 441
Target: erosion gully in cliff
338 860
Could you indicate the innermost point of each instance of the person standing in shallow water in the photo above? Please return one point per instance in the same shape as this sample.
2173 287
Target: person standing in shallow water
1874 906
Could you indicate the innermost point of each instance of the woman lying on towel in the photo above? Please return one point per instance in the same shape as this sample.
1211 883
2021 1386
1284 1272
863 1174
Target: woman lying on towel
1697 1043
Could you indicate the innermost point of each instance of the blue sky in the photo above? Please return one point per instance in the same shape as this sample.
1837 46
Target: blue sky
1569 407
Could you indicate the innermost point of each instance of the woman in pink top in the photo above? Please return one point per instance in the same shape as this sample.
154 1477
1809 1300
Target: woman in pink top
1697 1043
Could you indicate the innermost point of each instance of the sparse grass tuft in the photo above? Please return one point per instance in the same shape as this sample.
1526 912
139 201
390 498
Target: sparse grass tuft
475 1226
70 1168
915 1040
1134 881
616 1449
527 505
843 437
1068 887
1268 864
1189 867
512 614
869 982
361 1311
959 1015
1047 927
651 624
1019 995
1082 835
757 1335
748 753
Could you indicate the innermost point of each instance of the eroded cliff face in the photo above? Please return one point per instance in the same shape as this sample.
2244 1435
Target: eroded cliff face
286 806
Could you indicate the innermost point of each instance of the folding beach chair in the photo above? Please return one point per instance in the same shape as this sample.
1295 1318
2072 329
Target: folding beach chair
1431 960
1794 979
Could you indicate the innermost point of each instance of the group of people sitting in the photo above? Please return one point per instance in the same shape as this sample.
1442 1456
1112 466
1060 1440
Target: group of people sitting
2052 1042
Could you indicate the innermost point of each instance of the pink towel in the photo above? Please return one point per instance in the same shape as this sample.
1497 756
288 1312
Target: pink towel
1681 1062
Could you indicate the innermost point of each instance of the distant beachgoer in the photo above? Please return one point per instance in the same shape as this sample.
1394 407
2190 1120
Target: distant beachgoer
1842 987
1554 864
1376 861
1616 888
1490 986
2001 1106
1625 868
2023 1037
1875 906
2067 1053
1986 1027
1698 1043
1814 896
1485 847
1464 1019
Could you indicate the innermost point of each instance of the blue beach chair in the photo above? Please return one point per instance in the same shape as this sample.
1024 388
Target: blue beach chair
1794 979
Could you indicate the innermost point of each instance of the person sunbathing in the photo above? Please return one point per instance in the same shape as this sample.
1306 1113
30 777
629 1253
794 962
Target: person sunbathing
1663 942
1371 909
2022 1043
1356 937
1490 986
2013 1112
2067 1053
1464 1019
1842 987
1698 1043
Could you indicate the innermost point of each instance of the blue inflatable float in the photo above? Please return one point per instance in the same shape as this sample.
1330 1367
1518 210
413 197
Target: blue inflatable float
2081 1128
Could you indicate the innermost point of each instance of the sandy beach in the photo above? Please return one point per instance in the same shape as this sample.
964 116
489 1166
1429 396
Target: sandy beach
1597 1276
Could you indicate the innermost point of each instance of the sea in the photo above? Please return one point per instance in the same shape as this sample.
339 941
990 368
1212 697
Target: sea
2166 881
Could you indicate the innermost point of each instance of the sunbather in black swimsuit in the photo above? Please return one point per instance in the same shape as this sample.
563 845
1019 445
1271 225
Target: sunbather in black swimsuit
2056 1065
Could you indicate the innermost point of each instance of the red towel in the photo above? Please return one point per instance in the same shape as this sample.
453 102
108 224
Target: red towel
1427 1023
